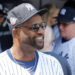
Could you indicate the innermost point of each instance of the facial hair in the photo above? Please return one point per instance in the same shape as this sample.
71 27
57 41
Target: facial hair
35 45
30 41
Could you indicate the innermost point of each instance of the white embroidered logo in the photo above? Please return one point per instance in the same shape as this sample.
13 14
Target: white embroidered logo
74 18
63 11
29 7
13 20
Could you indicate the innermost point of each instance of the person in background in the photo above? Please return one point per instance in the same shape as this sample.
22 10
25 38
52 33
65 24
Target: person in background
5 34
65 43
51 31
23 58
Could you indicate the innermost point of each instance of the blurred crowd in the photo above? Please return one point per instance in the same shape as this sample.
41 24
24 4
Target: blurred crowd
5 34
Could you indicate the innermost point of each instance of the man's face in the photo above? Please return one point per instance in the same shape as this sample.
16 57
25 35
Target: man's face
31 33
67 29
1 18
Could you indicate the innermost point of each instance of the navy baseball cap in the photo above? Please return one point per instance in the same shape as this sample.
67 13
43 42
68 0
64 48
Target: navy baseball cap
2 10
66 14
22 13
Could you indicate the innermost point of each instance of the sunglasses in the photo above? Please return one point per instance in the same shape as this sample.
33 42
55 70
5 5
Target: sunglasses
35 27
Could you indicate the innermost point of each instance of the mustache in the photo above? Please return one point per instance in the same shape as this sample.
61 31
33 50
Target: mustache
40 35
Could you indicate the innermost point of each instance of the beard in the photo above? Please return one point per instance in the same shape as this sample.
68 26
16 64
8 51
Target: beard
36 44
33 43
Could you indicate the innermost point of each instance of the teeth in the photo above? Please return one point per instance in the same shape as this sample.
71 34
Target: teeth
39 38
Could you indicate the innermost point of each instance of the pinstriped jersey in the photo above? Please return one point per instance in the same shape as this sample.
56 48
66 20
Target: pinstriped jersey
46 65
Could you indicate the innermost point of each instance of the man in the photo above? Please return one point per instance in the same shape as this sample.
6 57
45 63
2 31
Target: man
65 44
28 35
5 34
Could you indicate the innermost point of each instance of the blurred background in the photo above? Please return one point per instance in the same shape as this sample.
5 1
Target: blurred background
37 3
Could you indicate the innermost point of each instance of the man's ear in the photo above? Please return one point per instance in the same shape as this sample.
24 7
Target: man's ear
15 32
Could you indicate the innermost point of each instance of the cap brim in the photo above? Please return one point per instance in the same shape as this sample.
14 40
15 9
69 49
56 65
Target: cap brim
42 11
63 19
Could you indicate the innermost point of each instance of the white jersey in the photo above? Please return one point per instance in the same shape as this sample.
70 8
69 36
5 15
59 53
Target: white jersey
47 65
67 50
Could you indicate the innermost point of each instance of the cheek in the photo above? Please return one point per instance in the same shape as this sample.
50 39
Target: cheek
1 20
23 35
31 34
68 31
27 34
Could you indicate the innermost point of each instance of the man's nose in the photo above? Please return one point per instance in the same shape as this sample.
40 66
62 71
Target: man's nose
40 31
60 26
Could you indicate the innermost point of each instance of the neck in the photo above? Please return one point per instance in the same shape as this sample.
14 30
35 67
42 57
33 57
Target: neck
25 53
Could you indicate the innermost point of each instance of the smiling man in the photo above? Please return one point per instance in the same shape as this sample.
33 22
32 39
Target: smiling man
28 35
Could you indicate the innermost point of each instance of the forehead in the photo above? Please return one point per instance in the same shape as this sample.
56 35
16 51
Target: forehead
33 20
67 24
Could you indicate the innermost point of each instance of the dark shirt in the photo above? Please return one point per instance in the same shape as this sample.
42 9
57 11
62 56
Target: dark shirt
5 37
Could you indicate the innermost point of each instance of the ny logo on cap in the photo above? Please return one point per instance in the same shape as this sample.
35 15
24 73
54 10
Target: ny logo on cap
29 7
63 11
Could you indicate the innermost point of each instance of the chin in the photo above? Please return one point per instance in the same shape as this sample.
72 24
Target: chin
39 47
62 35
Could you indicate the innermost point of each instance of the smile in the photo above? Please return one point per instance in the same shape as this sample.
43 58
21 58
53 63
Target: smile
39 39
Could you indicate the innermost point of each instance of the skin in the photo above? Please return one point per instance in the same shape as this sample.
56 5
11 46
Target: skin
24 40
51 19
68 31
1 19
